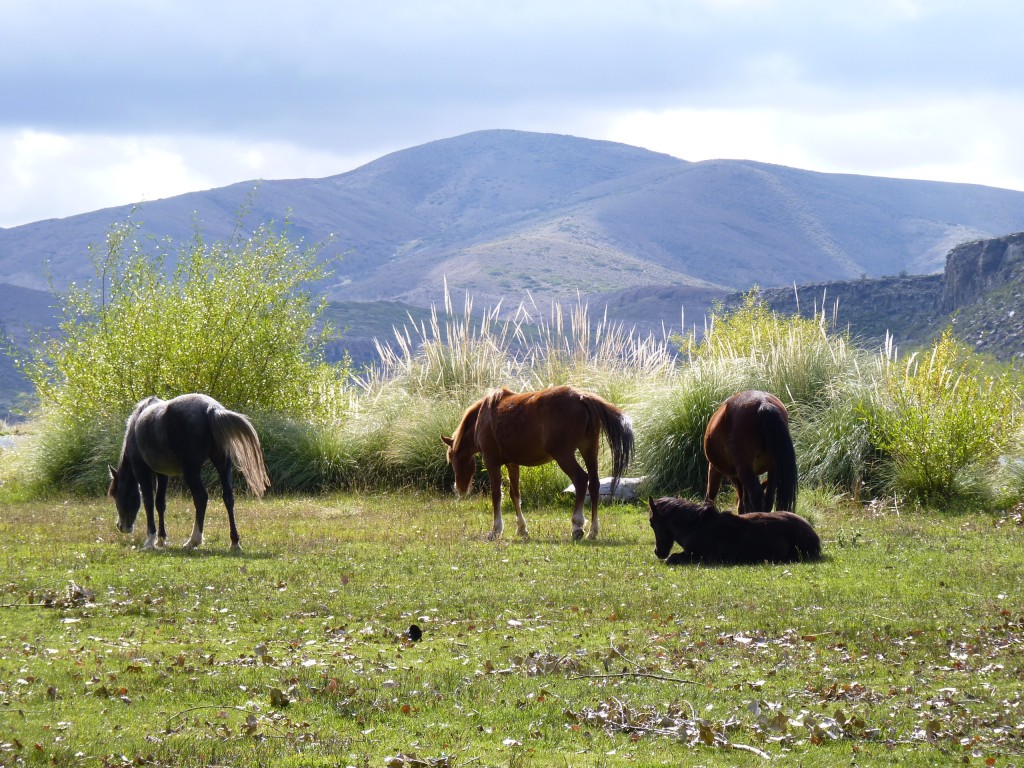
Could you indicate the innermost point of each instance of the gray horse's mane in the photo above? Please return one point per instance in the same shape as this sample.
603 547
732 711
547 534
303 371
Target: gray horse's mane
129 432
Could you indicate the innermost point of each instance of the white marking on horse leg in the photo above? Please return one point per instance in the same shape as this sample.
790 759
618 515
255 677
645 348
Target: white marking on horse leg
521 528
594 505
499 525
513 488
577 518
195 540
150 542
161 542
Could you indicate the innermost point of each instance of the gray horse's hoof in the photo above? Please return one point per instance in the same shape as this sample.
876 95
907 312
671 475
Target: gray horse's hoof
577 534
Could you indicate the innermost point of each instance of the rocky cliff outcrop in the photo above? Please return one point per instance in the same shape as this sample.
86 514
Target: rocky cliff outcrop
981 267
984 294
908 307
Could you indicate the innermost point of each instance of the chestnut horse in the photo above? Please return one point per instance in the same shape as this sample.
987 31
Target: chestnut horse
533 428
176 437
710 536
746 437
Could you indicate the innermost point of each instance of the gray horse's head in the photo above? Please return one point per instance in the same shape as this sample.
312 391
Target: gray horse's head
125 493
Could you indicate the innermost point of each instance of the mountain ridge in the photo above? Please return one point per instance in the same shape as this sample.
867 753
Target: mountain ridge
501 213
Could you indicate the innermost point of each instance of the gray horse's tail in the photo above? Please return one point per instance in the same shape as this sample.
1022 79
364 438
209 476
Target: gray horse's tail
237 437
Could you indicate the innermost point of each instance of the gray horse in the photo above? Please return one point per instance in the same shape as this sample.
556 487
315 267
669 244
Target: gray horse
176 437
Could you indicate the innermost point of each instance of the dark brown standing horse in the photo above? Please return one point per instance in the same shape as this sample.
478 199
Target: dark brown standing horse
533 428
176 437
710 536
746 437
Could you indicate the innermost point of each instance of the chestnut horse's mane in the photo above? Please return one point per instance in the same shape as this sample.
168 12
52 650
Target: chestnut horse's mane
472 414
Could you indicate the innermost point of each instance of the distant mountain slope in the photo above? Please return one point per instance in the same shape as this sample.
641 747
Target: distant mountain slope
501 213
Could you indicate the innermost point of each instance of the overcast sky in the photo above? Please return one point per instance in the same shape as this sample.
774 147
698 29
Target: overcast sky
109 102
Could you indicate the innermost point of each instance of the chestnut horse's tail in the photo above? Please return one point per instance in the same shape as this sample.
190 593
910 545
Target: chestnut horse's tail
775 432
618 429
235 435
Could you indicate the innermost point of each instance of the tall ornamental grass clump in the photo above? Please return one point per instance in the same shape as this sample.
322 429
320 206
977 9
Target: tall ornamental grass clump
797 359
942 422
432 372
234 320
425 379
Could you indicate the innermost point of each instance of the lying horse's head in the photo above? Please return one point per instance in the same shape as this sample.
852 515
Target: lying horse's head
670 518
126 498
464 464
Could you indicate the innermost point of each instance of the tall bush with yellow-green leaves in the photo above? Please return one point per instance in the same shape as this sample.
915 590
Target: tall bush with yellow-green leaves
942 421
235 320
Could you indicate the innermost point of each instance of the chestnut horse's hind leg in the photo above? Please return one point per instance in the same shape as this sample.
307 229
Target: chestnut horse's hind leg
513 491
594 488
578 476
494 478
750 488
714 483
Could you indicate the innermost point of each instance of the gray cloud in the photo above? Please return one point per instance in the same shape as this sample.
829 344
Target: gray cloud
321 70
359 79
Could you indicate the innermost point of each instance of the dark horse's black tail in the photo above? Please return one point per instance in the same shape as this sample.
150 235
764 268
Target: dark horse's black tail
775 432
618 429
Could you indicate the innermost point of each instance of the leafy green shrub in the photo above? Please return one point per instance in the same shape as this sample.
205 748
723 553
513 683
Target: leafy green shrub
229 319
833 443
942 421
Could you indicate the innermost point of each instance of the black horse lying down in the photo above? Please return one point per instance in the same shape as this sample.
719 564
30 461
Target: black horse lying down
710 536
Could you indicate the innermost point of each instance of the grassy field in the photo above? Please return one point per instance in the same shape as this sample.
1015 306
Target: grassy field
904 645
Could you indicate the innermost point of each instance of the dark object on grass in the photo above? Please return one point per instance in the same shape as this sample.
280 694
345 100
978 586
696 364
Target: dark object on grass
414 633
708 535
533 428
746 437
176 437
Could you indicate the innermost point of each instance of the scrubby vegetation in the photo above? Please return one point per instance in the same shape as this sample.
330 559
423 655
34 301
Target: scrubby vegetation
238 321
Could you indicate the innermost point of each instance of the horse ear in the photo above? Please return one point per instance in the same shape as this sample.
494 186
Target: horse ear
447 441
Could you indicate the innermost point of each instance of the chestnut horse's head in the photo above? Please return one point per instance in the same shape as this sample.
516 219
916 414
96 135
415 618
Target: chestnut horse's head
462 449
463 461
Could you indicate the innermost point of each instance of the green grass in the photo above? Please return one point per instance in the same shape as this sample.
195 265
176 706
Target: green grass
904 645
